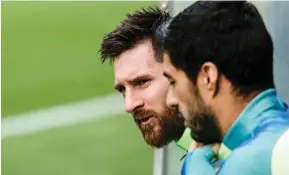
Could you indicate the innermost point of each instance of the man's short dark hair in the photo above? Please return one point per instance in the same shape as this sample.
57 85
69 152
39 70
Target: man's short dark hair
137 27
232 35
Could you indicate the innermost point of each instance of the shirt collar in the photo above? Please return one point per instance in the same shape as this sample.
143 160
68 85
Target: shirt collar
186 141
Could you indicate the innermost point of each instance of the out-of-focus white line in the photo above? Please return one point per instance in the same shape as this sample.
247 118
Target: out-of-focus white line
62 115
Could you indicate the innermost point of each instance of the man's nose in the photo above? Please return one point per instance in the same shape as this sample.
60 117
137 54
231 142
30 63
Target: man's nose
132 101
171 99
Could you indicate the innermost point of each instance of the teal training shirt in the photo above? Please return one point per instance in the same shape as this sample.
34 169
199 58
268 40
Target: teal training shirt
256 144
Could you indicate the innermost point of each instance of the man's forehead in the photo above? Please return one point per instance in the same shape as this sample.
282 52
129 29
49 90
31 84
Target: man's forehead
137 61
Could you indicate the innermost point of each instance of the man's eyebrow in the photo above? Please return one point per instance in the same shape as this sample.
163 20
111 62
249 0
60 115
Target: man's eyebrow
134 81
139 78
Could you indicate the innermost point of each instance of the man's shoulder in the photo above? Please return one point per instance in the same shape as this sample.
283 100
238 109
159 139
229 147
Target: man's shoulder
265 153
274 122
264 138
265 142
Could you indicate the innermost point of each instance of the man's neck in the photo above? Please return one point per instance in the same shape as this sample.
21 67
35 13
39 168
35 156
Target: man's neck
230 108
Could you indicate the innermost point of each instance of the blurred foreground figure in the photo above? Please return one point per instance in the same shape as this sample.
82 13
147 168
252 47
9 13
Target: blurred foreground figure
139 78
218 57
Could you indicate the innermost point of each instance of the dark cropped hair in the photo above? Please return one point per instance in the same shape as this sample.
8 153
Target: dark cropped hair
231 35
137 27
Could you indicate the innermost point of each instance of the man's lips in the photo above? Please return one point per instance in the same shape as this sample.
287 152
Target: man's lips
143 120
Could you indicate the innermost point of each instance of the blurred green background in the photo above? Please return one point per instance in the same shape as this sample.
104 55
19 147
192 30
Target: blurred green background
49 58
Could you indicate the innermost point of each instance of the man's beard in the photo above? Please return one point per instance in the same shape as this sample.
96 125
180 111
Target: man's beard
170 126
203 122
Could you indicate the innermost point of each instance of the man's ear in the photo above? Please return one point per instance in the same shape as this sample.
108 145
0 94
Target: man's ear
210 76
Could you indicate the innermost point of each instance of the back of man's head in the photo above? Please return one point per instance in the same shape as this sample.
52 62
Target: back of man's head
232 35
137 27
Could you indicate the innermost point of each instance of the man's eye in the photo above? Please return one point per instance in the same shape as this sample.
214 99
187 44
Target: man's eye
121 90
143 83
172 82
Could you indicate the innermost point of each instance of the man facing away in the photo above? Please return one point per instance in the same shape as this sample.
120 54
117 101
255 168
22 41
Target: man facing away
218 57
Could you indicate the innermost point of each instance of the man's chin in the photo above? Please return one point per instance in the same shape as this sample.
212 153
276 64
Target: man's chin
155 138
155 141
156 144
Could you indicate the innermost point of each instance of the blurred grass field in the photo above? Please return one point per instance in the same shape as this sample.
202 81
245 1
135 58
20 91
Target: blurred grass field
107 147
49 57
49 51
